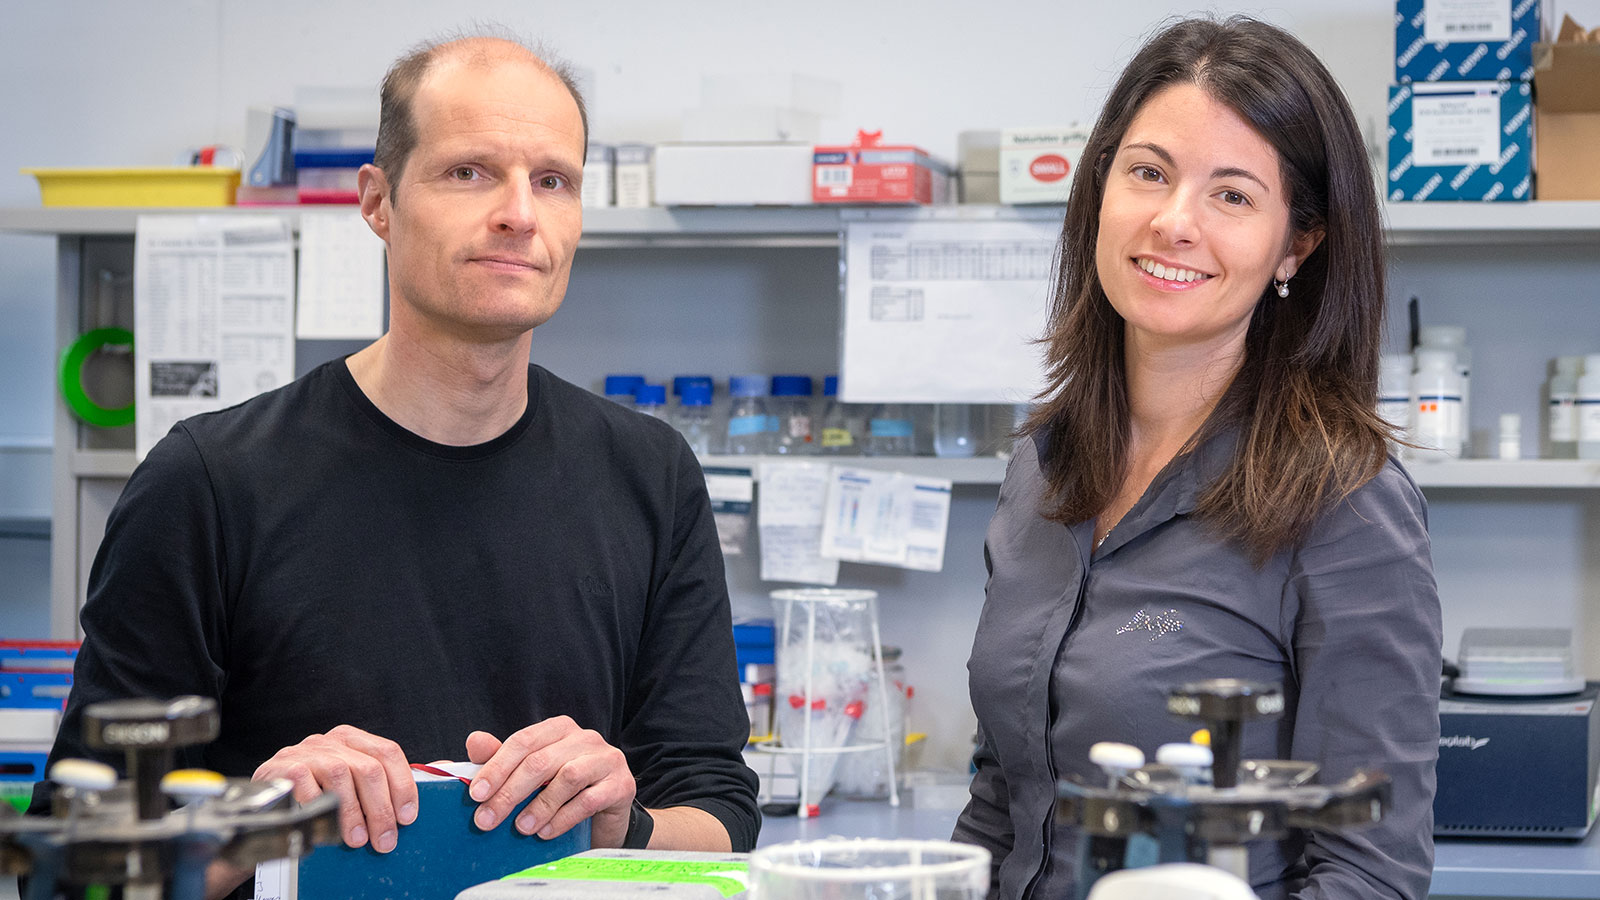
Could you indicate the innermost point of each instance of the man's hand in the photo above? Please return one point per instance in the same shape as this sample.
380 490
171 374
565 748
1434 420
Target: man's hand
369 774
583 777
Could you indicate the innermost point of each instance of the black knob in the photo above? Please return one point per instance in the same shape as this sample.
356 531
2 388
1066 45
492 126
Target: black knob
148 731
1225 704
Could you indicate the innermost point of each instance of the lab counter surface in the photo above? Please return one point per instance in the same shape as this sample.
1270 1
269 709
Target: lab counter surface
1462 867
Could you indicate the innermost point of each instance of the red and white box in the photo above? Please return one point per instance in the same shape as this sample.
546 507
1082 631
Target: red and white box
870 171
1037 164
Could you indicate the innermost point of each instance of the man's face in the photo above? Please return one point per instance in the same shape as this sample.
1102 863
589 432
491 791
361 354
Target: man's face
486 218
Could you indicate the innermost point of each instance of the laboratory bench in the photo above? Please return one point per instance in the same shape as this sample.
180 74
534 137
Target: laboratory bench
1463 867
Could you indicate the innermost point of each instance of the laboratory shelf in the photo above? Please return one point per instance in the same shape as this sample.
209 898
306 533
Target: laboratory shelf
1458 473
972 470
818 226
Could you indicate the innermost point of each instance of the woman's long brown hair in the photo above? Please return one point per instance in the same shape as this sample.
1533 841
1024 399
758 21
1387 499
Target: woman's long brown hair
1304 400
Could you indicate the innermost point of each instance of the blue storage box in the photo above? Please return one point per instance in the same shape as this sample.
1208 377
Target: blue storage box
439 855
1437 40
1461 141
753 642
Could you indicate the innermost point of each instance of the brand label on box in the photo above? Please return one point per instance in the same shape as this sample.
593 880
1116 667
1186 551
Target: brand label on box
1466 20
1456 128
1037 164
878 175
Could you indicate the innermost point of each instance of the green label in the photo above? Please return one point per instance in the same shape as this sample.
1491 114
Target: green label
836 437
727 877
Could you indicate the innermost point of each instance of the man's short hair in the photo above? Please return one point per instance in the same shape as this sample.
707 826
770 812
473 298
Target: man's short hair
397 122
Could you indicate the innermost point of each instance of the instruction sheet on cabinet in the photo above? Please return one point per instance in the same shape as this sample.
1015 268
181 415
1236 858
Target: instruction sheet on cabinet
793 495
213 300
887 518
945 311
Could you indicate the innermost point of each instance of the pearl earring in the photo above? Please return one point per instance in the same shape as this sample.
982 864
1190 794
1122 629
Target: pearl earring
1283 287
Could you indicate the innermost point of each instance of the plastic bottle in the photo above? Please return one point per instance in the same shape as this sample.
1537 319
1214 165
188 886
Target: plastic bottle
1589 408
1510 436
842 423
1560 433
1394 391
955 429
751 427
693 417
651 399
1436 393
791 405
1454 339
891 431
622 388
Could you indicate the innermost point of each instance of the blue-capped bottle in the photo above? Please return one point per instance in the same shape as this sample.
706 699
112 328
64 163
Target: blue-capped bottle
623 388
791 405
651 399
891 431
751 425
693 417
843 424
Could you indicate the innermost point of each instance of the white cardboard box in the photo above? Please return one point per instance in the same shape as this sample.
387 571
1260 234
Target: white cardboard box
633 173
760 174
1037 164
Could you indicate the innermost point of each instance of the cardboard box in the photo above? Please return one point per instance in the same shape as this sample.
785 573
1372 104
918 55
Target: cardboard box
635 177
1461 141
723 174
1464 40
1037 164
978 161
1566 81
870 171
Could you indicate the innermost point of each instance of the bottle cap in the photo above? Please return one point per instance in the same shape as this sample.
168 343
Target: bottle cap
623 384
748 386
651 395
696 394
1434 358
830 386
679 382
1442 336
791 385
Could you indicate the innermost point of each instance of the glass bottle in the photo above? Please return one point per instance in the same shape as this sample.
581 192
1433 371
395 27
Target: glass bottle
751 426
791 406
891 431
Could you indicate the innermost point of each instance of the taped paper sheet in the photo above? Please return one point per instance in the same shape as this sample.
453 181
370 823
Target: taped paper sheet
790 517
887 518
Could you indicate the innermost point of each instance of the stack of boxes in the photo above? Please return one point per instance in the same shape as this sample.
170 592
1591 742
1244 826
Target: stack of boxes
1461 110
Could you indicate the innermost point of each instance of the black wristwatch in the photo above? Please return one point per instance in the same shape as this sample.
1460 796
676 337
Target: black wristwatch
640 827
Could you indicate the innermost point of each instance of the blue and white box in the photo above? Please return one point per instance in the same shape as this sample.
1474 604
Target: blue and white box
1461 141
1465 40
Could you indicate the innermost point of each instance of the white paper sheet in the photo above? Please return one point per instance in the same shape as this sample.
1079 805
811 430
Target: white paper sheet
341 277
790 518
886 518
732 491
278 879
213 300
945 311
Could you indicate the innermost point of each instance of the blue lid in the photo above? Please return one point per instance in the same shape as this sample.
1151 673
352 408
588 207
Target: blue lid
830 386
623 384
748 385
651 395
696 394
679 381
791 385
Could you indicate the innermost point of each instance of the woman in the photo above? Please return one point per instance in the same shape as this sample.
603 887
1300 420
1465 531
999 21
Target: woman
1205 490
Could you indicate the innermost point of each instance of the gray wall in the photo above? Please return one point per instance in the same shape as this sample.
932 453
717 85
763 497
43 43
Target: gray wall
100 82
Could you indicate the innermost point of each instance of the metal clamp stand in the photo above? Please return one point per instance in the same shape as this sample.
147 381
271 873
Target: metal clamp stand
103 831
1150 814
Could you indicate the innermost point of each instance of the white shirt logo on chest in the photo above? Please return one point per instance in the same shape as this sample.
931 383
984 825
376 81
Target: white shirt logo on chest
1158 625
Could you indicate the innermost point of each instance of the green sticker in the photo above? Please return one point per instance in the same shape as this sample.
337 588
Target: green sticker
727 877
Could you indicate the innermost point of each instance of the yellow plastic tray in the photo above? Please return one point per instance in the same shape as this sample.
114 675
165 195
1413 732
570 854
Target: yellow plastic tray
168 186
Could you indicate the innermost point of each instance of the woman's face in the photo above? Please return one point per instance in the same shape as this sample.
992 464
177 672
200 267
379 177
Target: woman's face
1193 225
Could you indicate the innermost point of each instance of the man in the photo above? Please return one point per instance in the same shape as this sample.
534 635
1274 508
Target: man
432 542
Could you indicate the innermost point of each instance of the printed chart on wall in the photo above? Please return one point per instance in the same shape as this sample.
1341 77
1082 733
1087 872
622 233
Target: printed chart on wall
941 307
213 301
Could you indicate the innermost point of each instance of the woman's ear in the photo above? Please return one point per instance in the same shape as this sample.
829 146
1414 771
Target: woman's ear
1303 245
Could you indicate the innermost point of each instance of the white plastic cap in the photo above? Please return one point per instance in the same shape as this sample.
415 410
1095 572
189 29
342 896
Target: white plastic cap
83 774
1433 359
1591 364
1510 425
1184 756
1114 757
1442 336
1566 365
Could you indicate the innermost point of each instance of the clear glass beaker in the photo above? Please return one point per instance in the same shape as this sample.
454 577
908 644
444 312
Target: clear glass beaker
876 869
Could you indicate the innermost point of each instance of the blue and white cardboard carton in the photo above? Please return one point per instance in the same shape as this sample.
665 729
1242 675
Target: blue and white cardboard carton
1465 40
1461 141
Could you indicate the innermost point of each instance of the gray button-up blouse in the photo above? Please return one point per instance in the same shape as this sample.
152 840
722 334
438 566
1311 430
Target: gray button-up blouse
1076 646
